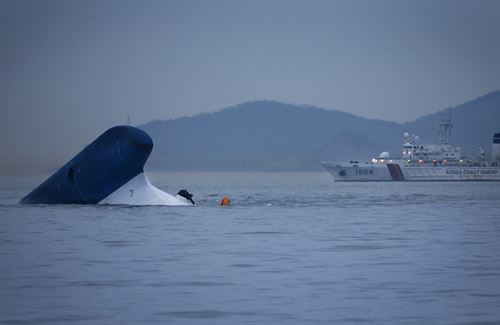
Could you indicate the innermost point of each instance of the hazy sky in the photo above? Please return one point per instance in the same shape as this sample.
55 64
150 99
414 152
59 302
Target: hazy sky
71 69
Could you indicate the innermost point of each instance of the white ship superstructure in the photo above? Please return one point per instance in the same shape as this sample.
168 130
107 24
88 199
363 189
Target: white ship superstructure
432 162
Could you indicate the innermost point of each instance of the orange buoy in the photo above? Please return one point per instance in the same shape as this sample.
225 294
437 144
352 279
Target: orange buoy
225 201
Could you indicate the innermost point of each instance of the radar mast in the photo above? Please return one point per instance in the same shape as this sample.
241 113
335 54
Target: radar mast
444 130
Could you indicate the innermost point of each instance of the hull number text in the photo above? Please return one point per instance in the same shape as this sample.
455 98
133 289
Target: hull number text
364 171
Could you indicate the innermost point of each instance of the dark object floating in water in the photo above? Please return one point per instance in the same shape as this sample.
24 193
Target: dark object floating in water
185 194
110 170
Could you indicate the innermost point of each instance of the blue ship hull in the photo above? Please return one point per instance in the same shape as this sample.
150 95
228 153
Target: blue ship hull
113 159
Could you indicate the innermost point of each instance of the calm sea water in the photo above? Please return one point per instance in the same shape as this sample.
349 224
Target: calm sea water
294 248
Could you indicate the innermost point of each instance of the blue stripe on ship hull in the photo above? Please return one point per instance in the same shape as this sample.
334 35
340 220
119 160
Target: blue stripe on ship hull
396 173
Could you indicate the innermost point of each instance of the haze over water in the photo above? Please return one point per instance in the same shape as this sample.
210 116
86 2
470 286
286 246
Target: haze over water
294 248
69 70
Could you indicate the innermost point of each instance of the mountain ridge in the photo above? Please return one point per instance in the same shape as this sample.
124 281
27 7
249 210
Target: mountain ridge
268 135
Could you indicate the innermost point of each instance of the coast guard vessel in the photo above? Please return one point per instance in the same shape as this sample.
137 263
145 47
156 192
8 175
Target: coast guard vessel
432 162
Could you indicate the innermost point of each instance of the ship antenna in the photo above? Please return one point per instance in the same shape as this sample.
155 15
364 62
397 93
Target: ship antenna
444 131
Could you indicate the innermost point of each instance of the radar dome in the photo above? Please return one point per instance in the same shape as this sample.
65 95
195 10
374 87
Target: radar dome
384 155
406 134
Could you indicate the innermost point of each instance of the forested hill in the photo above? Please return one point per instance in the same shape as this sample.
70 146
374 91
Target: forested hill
273 136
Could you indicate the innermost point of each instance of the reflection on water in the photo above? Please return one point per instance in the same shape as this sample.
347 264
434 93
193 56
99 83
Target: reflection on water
292 248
